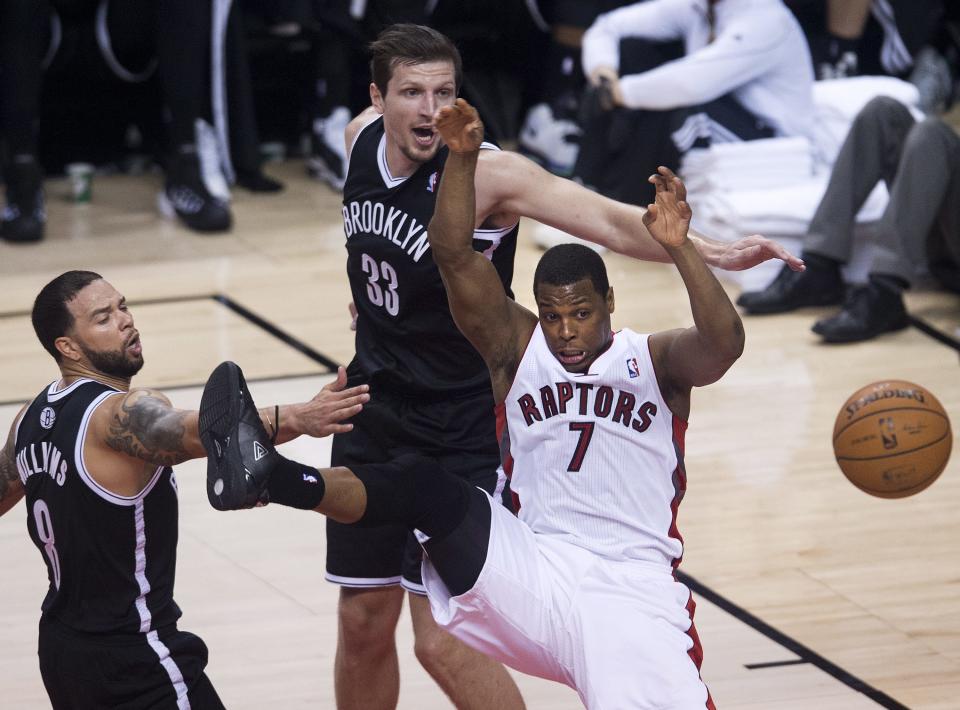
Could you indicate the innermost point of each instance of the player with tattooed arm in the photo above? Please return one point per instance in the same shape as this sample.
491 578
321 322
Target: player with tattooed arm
92 457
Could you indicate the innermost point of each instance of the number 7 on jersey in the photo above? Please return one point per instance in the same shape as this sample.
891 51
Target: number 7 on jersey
583 442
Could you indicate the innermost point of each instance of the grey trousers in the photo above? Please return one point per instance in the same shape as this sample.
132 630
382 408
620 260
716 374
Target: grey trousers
920 162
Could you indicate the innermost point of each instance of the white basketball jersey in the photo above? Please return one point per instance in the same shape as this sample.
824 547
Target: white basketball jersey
597 456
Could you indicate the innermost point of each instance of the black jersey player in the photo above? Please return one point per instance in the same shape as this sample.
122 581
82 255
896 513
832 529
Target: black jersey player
432 391
93 459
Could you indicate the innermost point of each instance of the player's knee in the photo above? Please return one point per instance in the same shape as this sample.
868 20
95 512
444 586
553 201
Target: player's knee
433 647
367 621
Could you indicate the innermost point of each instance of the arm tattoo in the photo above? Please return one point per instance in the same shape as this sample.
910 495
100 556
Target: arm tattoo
8 471
148 429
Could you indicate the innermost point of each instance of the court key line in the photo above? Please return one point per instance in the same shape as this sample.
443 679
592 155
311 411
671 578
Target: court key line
805 654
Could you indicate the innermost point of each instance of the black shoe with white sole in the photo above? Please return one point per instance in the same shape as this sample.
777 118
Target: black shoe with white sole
240 455
186 197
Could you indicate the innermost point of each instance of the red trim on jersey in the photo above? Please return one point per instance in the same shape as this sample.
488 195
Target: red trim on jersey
503 431
503 438
679 482
696 651
503 441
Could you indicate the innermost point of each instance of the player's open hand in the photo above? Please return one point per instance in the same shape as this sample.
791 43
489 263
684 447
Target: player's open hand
460 127
668 219
327 413
750 251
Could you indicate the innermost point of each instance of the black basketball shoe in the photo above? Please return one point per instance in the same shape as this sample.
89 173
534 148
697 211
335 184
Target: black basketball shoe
24 216
186 197
240 455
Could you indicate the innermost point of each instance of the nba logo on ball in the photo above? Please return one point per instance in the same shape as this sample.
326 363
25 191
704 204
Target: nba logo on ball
892 438
633 369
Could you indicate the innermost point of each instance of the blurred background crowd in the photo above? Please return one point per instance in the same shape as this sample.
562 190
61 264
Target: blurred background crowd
768 108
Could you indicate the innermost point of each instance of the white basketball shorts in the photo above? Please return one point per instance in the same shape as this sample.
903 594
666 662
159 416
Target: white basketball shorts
619 633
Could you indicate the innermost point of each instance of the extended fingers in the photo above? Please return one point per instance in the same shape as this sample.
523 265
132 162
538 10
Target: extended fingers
777 250
349 402
337 429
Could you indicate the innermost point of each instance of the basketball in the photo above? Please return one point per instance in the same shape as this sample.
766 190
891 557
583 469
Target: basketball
892 438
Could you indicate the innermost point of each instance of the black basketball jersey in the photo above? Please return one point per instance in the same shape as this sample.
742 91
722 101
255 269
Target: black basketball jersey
110 558
406 338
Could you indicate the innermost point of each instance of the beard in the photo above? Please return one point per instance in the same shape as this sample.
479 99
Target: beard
115 363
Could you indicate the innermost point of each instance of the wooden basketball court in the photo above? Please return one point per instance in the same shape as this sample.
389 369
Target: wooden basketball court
810 593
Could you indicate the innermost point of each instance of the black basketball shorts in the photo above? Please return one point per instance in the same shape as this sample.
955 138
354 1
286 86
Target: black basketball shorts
133 671
459 433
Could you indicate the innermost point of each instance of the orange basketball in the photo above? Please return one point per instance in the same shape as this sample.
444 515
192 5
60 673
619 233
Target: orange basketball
892 439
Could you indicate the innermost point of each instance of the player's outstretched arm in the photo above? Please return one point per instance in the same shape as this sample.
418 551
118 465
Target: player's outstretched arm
481 308
11 487
699 355
142 423
511 184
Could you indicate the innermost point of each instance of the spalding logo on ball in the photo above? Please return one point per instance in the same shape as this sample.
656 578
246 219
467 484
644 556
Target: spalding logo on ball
892 439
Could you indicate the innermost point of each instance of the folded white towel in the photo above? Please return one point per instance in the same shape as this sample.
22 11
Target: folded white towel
848 96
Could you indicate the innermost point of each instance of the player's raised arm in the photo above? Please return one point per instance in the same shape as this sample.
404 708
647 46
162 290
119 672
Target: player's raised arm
699 355
513 185
11 487
481 308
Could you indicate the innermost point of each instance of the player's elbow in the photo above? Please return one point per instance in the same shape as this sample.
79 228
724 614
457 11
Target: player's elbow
447 251
724 352
731 347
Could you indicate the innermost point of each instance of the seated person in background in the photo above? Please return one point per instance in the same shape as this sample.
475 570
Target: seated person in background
904 38
920 162
746 74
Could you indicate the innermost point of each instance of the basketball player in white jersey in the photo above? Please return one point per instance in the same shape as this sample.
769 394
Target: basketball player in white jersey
580 588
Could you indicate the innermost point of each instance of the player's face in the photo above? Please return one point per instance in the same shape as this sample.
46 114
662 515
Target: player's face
414 93
576 322
103 331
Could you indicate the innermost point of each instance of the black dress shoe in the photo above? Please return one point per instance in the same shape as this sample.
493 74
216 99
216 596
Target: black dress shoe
816 286
868 311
